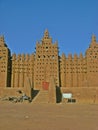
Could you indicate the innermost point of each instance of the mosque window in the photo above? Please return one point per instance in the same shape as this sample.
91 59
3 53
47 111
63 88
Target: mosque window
0 57
38 56
43 56
53 57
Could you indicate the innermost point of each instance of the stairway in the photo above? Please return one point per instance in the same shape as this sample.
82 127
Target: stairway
41 97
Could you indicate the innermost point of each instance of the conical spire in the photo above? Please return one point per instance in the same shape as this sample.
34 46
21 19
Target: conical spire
2 39
2 42
93 38
46 38
46 34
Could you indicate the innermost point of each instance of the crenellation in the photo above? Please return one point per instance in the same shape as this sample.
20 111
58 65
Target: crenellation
75 56
81 56
27 57
14 57
22 57
70 56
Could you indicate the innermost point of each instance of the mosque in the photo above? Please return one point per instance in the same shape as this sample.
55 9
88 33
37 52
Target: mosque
48 77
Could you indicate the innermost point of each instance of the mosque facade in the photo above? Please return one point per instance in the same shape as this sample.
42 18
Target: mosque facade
72 74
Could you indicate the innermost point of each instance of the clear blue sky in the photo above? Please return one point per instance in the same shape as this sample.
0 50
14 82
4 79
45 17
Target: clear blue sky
70 22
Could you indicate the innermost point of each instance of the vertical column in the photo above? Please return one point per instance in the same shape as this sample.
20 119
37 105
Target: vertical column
69 78
21 74
52 91
80 71
62 70
13 70
75 70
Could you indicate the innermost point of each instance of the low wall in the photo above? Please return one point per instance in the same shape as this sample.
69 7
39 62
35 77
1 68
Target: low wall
13 91
83 94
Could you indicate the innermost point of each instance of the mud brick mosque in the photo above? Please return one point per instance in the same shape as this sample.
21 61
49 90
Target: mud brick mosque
45 76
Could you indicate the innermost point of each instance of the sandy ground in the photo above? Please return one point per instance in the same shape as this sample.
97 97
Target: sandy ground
29 116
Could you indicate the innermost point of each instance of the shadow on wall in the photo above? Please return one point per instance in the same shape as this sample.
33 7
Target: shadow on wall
34 93
58 94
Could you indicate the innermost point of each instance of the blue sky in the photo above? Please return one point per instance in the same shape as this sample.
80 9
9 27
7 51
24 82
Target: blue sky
70 22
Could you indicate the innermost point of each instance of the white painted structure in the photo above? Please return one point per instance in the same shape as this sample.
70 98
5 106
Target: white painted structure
67 95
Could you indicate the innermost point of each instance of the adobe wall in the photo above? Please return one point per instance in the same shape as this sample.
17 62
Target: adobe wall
22 70
13 91
83 94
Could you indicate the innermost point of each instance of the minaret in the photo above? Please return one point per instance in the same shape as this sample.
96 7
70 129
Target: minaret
46 62
4 64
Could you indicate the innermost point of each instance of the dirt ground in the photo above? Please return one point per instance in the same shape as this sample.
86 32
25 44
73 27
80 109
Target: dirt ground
29 116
